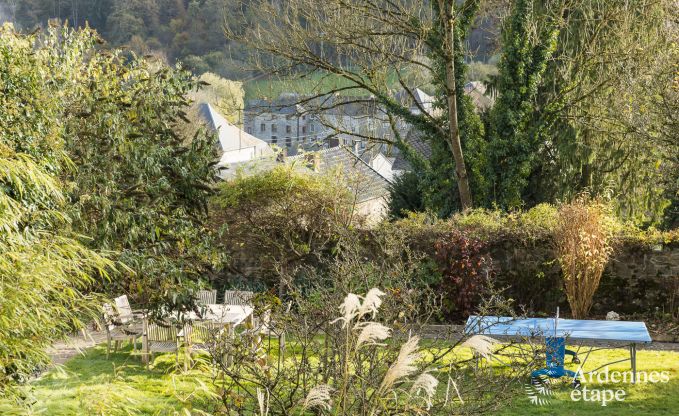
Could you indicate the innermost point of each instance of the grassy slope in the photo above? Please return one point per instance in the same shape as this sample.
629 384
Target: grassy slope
92 385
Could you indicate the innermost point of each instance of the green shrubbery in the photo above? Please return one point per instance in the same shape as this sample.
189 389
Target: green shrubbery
521 245
45 271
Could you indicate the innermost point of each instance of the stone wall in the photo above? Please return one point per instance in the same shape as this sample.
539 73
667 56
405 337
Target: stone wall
638 279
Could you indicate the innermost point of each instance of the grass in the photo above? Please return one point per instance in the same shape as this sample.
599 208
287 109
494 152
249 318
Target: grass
272 87
639 400
317 82
92 385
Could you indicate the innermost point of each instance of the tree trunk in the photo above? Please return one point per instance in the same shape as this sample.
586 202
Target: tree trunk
451 91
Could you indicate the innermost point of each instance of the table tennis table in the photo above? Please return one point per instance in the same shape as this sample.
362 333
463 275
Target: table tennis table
615 333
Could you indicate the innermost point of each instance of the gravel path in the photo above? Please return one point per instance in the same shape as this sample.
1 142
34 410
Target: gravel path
62 351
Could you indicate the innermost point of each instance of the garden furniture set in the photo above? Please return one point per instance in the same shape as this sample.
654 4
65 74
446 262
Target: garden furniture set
197 331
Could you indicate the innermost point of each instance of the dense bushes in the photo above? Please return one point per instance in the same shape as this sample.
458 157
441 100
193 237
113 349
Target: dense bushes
140 182
281 219
45 272
457 257
466 268
92 160
521 246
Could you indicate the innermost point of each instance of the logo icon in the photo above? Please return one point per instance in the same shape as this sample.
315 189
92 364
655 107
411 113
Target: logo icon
538 391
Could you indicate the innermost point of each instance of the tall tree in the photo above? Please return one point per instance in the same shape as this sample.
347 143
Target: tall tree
371 46
608 56
513 141
45 272
142 185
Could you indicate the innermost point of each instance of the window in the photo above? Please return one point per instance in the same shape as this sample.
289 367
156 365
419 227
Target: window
288 141
274 128
288 129
274 139
312 128
249 130
303 129
262 127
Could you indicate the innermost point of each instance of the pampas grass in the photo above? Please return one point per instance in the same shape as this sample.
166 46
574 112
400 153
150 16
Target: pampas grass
371 303
318 396
481 344
425 383
371 333
263 402
404 365
349 309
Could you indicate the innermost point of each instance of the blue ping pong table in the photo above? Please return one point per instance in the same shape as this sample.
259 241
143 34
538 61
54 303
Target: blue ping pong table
617 333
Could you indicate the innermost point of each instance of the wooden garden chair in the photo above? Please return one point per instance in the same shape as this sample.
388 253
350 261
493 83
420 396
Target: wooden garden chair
207 337
117 331
125 312
238 297
161 339
207 297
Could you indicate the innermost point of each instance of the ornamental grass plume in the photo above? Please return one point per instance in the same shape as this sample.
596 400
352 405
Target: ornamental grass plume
371 302
349 309
319 396
371 333
481 344
427 384
263 402
404 364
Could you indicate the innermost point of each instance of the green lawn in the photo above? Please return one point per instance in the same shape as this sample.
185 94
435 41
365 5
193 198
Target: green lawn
647 398
92 385
272 87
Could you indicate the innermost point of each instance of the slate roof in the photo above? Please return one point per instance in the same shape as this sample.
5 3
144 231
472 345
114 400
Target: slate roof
284 104
230 136
363 180
423 100
476 90
419 144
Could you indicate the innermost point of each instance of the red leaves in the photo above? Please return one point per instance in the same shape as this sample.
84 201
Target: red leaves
464 263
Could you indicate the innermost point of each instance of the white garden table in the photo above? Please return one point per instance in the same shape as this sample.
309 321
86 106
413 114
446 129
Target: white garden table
224 314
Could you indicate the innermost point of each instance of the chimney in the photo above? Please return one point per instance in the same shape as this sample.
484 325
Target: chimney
313 161
282 155
317 162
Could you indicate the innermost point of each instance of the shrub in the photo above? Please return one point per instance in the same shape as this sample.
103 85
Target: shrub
405 195
365 361
44 271
286 217
466 267
582 241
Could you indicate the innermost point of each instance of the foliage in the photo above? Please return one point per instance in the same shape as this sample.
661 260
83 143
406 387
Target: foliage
362 361
140 188
225 95
513 141
525 264
404 195
604 106
582 241
188 31
45 272
288 218
466 269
